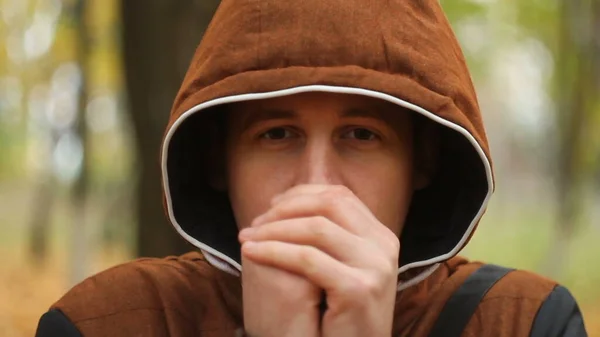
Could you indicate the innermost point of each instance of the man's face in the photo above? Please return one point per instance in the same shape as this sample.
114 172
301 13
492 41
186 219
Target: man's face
362 143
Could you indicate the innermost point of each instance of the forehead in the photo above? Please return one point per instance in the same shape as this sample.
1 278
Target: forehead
317 105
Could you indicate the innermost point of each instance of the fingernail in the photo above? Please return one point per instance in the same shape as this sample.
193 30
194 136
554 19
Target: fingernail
246 233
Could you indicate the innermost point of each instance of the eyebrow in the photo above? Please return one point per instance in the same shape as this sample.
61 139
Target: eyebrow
264 115
371 112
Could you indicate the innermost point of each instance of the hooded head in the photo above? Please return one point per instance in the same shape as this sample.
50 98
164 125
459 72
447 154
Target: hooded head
401 53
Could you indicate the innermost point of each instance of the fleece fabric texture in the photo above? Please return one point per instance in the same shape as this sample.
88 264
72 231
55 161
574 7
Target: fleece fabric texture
186 296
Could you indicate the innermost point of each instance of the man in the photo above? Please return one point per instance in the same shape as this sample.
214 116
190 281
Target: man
329 160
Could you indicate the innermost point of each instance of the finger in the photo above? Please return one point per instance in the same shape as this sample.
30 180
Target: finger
307 261
337 203
341 209
317 231
303 189
343 199
333 191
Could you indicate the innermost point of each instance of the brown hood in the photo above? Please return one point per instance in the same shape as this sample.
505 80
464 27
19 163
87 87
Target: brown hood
401 51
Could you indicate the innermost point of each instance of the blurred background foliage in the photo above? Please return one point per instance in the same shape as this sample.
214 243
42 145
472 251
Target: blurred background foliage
86 87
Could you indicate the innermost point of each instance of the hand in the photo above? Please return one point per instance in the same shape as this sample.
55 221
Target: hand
278 303
326 235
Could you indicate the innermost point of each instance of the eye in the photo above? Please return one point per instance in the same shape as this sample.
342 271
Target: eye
361 134
277 134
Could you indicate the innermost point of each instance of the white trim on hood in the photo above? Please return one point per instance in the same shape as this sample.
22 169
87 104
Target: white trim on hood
420 277
223 259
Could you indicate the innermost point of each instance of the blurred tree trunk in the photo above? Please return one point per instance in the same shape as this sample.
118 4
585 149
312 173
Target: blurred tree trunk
575 67
159 39
44 196
40 220
80 189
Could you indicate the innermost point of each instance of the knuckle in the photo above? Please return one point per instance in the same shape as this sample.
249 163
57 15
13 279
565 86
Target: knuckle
395 246
360 286
304 257
317 227
332 199
337 192
372 284
390 267
385 268
341 189
306 261
389 242
364 287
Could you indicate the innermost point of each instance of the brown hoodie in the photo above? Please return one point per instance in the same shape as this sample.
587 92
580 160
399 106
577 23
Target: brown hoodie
401 51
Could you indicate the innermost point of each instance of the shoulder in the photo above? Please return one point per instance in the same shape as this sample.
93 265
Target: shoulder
142 294
503 284
522 303
141 284
520 285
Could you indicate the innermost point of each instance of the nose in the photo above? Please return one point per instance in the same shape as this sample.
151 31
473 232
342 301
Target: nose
319 163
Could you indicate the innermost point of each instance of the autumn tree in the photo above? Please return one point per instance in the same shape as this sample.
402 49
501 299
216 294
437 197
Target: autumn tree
159 39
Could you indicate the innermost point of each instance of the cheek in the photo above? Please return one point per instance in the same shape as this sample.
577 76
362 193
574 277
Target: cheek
386 187
252 182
